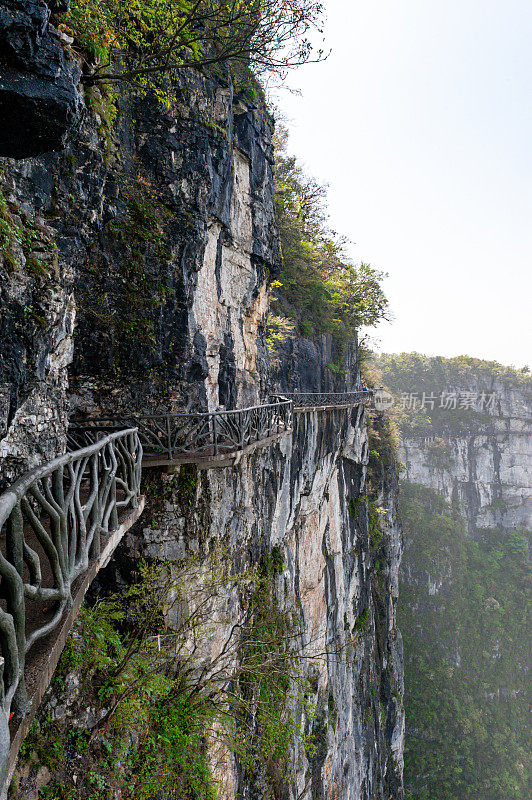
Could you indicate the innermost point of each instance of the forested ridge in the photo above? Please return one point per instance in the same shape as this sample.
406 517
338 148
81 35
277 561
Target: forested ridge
464 606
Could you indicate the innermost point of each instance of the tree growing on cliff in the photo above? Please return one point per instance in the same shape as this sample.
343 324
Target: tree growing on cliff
146 43
318 283
193 693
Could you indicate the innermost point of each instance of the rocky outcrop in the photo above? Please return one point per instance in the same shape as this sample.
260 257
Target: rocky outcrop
39 98
487 471
312 506
317 364
36 329
167 240
304 497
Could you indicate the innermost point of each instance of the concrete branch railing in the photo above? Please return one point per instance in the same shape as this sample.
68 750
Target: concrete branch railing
53 523
171 438
331 399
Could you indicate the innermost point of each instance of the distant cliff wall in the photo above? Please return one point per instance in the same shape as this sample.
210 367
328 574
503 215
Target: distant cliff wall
466 508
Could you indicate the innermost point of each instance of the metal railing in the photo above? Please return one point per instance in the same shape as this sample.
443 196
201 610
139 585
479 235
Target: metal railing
52 521
173 437
319 399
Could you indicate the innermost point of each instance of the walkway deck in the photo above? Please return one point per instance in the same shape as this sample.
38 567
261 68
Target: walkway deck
216 438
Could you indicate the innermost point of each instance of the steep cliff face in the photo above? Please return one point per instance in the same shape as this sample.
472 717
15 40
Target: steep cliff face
167 236
301 364
306 496
487 471
465 581
39 98
134 278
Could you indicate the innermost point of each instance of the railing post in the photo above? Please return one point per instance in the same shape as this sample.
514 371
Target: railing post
134 447
62 532
242 429
114 510
5 738
15 602
15 539
169 436
214 435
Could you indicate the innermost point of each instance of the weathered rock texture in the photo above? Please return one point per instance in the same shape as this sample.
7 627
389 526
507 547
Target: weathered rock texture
306 495
39 98
487 471
162 235
304 365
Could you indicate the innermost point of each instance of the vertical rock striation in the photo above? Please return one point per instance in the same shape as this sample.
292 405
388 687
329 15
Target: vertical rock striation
306 496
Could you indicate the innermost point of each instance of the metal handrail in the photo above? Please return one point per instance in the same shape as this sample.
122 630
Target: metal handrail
320 399
51 525
175 437
171 437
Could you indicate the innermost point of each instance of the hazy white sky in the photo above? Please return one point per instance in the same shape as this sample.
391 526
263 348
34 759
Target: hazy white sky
421 124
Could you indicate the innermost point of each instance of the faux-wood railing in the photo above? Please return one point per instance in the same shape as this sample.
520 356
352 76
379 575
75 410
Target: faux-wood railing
53 522
331 399
175 437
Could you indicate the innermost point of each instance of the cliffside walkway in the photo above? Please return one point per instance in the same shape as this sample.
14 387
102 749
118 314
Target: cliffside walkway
59 525
195 438
61 522
213 438
322 400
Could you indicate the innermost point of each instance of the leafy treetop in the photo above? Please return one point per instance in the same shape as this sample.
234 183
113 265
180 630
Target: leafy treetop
318 285
147 43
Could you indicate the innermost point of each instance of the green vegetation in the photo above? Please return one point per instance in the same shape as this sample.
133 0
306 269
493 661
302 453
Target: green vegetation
435 373
414 374
24 244
162 714
318 289
273 697
383 438
464 603
103 101
279 329
361 621
146 44
115 652
466 651
125 304
186 484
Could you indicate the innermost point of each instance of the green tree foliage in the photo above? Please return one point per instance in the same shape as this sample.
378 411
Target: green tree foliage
419 374
147 43
436 373
357 294
466 652
464 608
318 286
167 692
